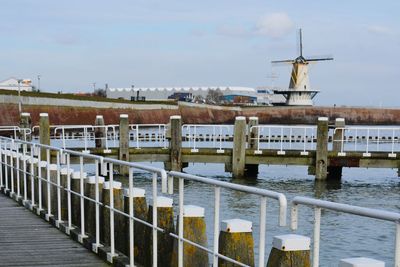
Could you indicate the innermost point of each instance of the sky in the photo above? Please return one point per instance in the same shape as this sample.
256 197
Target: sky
73 44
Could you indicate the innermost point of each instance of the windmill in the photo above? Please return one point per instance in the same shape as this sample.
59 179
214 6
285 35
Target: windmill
299 92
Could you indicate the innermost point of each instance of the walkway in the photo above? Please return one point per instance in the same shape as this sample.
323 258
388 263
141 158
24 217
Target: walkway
27 240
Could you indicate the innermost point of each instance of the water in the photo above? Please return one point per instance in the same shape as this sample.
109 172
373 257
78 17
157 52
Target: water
342 236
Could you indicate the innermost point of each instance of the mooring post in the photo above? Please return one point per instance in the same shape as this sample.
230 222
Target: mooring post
290 251
239 148
165 220
194 229
252 135
44 133
321 163
75 199
65 174
105 222
361 262
176 143
335 172
25 125
90 205
99 132
236 242
140 212
123 142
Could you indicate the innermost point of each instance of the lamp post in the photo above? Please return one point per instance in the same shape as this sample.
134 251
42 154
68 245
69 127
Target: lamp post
38 78
19 96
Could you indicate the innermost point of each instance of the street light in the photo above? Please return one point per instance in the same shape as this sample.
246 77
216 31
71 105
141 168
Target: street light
19 96
38 77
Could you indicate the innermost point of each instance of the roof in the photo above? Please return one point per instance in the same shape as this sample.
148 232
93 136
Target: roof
195 88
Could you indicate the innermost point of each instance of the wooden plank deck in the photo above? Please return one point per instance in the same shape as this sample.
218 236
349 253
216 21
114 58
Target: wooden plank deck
28 240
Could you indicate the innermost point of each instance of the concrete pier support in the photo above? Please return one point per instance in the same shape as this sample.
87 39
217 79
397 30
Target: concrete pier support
236 242
252 134
100 132
124 142
321 163
239 148
44 132
176 143
139 211
290 251
25 123
194 229
335 172
165 220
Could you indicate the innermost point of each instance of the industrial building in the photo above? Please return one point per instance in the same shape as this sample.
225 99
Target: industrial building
12 84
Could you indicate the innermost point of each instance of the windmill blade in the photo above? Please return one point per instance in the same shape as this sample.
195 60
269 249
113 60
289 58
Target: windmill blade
319 58
288 61
300 43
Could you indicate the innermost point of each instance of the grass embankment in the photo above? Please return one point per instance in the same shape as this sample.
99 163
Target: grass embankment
82 97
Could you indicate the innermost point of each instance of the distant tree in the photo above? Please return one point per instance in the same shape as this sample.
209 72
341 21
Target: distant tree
100 92
198 99
214 96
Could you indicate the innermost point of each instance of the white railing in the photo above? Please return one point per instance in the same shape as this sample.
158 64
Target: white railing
148 133
13 151
16 130
217 135
284 137
318 205
369 139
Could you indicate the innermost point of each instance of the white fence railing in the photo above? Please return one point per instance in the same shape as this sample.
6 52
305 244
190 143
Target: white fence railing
207 135
155 133
16 131
369 139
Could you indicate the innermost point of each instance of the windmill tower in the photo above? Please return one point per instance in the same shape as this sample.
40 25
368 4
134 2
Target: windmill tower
299 93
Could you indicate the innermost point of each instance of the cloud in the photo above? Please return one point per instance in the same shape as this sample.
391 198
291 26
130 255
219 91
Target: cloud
274 25
381 30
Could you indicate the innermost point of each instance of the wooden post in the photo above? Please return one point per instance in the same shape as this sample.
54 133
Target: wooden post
335 172
290 251
236 242
123 142
90 206
194 229
176 143
100 132
361 262
64 174
165 220
53 189
321 164
239 148
25 123
44 132
75 199
139 229
118 218
252 169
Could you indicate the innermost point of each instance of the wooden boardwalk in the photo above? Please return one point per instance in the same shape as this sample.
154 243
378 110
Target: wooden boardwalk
27 240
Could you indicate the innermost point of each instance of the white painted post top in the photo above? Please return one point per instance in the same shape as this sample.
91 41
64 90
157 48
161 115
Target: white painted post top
323 119
291 242
137 192
236 226
123 115
116 185
253 118
339 119
44 115
92 179
240 118
53 167
25 114
175 117
77 175
163 202
361 262
99 116
42 164
193 211
25 157
64 171
33 160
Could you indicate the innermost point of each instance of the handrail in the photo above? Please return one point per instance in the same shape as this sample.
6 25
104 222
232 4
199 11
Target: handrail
345 208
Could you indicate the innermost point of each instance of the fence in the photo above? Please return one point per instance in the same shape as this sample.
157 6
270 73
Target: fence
216 136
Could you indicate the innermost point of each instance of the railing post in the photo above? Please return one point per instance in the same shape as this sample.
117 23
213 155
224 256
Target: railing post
124 142
25 124
321 162
239 148
176 143
44 132
252 134
99 132
335 172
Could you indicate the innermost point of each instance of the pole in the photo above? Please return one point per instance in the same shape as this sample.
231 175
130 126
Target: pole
19 97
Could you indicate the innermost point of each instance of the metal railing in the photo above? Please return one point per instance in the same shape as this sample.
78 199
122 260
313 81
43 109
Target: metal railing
148 133
16 130
369 139
285 136
13 151
217 135
318 205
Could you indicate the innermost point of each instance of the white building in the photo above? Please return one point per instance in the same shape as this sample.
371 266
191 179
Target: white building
162 93
12 84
